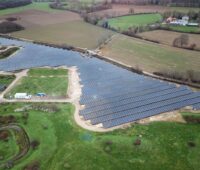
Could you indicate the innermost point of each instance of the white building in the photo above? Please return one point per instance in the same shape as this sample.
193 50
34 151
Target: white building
179 22
22 96
185 18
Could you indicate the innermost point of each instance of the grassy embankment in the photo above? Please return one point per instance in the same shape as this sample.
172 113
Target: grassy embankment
8 52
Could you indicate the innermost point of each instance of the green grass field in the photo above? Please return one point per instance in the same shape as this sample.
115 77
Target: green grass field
63 145
11 148
44 6
125 22
150 56
47 72
54 83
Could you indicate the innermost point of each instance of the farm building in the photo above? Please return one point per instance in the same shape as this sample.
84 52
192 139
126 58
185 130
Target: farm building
184 21
22 96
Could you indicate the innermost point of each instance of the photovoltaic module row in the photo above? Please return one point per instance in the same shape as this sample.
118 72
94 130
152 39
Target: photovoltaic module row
112 95
126 95
101 95
140 108
138 116
142 95
147 98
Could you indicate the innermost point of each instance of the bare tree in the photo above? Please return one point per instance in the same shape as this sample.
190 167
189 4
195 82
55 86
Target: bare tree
131 11
181 41
184 39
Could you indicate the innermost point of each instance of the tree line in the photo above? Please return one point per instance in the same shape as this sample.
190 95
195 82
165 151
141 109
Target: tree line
13 3
184 3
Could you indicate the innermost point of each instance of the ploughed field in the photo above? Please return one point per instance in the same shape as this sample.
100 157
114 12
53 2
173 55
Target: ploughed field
167 37
112 96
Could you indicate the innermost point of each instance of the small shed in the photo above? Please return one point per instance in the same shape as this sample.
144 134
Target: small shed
22 96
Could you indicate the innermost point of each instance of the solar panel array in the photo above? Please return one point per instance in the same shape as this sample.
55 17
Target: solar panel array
112 96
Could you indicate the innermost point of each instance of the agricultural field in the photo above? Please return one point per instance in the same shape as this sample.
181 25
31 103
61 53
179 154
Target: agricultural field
42 81
75 33
118 9
59 27
35 18
167 37
43 6
149 56
125 22
52 126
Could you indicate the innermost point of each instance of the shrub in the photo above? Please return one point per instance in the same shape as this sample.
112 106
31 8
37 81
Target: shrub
11 19
137 142
188 76
107 149
32 166
109 142
192 46
13 3
48 107
181 41
8 27
7 119
191 144
192 119
4 134
35 144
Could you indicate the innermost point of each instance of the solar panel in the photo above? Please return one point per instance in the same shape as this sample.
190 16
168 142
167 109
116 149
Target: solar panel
111 95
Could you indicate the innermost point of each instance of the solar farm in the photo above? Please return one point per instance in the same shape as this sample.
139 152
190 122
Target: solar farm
111 95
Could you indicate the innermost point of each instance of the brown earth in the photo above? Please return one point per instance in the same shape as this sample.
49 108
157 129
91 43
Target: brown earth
119 9
34 18
167 37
